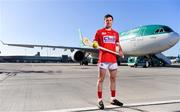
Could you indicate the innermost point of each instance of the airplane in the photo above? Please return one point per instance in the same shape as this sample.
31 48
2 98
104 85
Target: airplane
147 40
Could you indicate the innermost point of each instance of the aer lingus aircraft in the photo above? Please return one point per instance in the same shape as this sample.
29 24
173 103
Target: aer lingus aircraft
148 40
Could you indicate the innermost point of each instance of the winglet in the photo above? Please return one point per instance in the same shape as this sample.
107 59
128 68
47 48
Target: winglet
81 38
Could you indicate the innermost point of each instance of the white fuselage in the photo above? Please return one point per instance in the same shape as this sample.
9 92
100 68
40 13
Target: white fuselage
151 44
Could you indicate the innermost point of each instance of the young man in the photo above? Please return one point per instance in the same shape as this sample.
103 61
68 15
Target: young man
108 38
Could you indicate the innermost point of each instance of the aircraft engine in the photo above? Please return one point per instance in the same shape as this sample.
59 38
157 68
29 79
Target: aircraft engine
77 55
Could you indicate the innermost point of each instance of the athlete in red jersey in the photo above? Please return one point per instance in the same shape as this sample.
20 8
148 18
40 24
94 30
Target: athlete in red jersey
108 38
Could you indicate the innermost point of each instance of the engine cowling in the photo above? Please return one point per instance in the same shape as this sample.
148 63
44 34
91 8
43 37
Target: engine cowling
77 55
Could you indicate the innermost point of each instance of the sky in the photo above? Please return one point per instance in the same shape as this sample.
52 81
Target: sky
56 22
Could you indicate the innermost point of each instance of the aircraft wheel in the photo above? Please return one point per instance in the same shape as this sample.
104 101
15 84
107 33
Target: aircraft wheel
146 64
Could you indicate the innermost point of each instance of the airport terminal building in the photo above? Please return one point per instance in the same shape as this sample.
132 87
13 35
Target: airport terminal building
35 59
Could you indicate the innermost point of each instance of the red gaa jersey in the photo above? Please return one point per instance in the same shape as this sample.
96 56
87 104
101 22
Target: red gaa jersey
107 39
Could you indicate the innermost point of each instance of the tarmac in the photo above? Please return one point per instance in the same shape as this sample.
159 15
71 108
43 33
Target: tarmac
49 87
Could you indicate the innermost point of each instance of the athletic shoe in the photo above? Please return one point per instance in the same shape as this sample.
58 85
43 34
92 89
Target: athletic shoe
101 105
116 102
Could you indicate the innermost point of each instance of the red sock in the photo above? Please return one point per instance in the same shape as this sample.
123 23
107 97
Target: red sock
99 94
113 93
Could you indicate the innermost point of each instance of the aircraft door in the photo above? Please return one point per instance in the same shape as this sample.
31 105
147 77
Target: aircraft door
133 42
141 34
133 38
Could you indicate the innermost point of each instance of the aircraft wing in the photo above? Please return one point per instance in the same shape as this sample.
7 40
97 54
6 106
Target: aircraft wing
87 49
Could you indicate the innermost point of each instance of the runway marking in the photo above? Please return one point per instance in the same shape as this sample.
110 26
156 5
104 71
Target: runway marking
114 107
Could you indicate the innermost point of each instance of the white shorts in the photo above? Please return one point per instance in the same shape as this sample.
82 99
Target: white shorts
106 65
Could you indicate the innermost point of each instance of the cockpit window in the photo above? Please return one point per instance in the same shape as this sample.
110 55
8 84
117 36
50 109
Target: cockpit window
167 29
161 30
157 31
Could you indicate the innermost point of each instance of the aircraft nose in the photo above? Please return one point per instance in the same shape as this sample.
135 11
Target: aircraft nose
175 38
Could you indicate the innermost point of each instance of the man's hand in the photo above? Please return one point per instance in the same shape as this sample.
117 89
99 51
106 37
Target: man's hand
95 44
121 53
119 50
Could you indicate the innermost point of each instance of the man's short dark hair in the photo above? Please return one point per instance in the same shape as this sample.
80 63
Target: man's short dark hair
107 16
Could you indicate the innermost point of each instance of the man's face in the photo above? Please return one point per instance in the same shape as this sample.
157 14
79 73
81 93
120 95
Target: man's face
108 22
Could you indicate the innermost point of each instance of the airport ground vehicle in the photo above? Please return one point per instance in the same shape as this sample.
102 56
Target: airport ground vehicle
142 61
138 61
